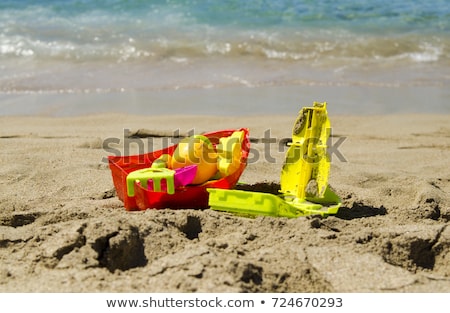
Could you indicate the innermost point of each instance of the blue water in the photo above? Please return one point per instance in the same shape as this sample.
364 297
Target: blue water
116 46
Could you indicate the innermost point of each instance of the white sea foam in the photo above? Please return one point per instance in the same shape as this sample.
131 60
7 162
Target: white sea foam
428 53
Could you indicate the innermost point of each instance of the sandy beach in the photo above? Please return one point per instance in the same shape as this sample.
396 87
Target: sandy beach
63 229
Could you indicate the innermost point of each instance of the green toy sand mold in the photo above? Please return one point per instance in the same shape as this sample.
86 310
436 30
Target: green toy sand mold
304 176
259 203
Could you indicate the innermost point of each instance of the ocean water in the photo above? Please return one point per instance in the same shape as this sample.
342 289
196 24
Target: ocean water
65 57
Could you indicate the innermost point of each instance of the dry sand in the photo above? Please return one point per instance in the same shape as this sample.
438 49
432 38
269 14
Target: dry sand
62 229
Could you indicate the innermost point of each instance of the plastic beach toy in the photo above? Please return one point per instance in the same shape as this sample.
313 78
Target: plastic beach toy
196 150
185 175
229 153
186 194
304 176
182 177
161 179
154 174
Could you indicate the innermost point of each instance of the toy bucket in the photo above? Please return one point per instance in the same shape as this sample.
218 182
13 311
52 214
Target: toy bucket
190 196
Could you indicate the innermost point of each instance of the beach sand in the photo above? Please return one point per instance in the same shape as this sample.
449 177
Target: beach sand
62 228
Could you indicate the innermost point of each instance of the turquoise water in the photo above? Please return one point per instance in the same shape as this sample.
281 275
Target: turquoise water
145 47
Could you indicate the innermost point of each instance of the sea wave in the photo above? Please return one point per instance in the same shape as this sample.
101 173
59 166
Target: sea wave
296 48
58 46
324 32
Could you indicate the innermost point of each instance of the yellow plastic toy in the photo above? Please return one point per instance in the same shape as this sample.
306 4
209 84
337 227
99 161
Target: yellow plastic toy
304 176
229 153
196 150
307 165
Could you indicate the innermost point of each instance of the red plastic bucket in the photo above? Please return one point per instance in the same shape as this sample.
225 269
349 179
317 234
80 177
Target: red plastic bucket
191 196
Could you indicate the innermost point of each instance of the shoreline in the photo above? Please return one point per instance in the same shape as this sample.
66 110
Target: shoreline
234 101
